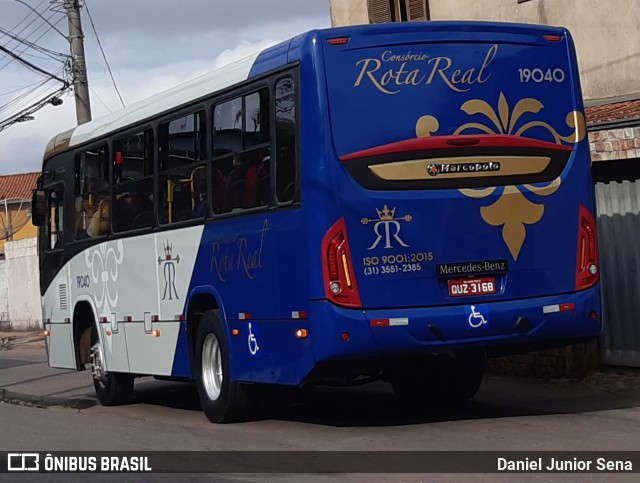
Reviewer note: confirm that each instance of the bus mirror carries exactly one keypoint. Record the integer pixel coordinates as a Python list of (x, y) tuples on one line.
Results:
[(39, 207)]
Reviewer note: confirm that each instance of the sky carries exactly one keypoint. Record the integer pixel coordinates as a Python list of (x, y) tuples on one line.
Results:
[(150, 45)]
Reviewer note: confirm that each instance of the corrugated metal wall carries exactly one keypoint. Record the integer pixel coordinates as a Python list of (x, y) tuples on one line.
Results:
[(619, 234)]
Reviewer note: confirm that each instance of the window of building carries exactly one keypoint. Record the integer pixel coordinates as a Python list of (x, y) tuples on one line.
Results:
[(133, 181), (182, 188), (382, 11), (241, 150)]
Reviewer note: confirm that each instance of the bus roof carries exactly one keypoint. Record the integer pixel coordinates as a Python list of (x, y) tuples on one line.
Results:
[(253, 65)]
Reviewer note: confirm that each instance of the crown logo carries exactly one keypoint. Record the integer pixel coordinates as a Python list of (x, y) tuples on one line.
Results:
[(386, 214), (168, 253)]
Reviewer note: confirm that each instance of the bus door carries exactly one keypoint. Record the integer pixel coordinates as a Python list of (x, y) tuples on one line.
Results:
[(49, 215)]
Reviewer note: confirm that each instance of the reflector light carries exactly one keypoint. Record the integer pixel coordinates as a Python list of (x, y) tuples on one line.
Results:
[(298, 314), (302, 333), (345, 336), (108, 332), (389, 322), (345, 267), (463, 142), (549, 309), (155, 318), (244, 316), (340, 282), (235, 332), (67, 320), (587, 272), (553, 38), (593, 315), (103, 320), (338, 41), (128, 318)]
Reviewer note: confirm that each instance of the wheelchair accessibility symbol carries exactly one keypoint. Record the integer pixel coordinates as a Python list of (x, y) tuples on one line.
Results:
[(477, 315), (253, 342)]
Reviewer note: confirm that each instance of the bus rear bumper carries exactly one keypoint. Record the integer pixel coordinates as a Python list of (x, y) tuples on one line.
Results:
[(339, 333)]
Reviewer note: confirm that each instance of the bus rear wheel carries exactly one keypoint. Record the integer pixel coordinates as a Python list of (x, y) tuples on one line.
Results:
[(112, 388), (222, 400), (441, 379)]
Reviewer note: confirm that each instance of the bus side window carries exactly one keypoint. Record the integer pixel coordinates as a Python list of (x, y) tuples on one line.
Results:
[(182, 181), (242, 153), (285, 145), (133, 182), (91, 192), (55, 233)]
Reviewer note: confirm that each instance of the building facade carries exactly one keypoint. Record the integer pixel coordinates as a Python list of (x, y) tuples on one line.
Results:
[(15, 208), (19, 276), (605, 31)]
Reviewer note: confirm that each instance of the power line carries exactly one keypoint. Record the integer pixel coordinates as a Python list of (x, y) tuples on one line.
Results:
[(25, 41), (48, 52), (39, 15), (32, 66), (86, 6), (24, 115)]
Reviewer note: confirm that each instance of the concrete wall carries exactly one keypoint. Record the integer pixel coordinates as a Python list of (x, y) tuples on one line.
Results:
[(606, 33), (4, 295), (349, 12), (22, 278)]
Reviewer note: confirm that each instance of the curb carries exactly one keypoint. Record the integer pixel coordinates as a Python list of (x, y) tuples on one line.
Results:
[(20, 399)]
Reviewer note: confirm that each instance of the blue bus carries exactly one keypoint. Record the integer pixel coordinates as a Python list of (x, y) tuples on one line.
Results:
[(387, 202)]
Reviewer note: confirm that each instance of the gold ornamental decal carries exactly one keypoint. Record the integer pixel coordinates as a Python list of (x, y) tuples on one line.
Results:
[(512, 210)]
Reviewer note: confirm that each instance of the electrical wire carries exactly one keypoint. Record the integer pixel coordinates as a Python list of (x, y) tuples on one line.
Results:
[(48, 52), (24, 49), (31, 66), (21, 44), (86, 6)]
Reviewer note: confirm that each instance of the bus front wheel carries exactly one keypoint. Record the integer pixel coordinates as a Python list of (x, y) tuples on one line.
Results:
[(222, 400), (112, 388)]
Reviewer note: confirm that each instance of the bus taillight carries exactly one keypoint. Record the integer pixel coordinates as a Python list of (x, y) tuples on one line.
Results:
[(339, 279), (587, 269)]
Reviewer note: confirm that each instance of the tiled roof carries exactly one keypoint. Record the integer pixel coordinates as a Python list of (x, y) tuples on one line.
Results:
[(17, 186), (616, 111)]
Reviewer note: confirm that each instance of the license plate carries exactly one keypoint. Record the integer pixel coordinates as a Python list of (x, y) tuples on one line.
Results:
[(465, 287)]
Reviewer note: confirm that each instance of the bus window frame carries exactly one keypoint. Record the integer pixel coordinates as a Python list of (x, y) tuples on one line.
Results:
[(292, 73), (151, 164), (252, 87), (59, 186), (204, 161), (77, 154)]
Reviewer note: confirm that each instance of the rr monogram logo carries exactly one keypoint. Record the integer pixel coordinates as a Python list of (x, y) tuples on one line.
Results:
[(169, 272), (388, 225)]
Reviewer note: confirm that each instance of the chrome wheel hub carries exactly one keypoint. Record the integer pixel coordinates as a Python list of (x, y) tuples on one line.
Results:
[(97, 363), (212, 367)]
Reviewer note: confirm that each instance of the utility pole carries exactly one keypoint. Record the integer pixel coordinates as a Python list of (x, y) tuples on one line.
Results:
[(79, 66)]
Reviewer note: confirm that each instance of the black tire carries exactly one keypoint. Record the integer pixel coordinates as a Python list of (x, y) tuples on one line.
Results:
[(112, 388), (222, 400), (441, 379)]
